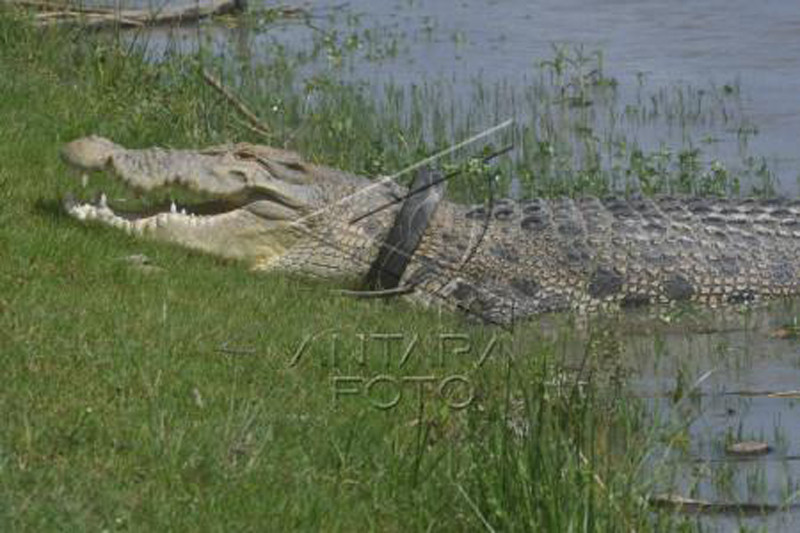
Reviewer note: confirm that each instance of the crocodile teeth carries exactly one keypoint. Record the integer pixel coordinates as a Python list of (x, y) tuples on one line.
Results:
[(100, 211)]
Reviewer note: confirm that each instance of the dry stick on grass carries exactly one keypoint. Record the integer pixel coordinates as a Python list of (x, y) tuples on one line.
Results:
[(90, 19), (61, 7), (251, 117)]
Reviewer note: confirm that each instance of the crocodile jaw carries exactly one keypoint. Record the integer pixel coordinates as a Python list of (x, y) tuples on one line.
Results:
[(237, 234)]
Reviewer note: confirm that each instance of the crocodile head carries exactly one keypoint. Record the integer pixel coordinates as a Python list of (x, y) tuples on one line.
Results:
[(263, 205)]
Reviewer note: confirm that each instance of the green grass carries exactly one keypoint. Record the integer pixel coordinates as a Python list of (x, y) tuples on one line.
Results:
[(169, 401)]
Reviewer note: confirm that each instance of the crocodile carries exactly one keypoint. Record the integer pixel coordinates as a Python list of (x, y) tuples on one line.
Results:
[(498, 261)]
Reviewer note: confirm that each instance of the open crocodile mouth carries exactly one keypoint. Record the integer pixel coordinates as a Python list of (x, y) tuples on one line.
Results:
[(137, 216)]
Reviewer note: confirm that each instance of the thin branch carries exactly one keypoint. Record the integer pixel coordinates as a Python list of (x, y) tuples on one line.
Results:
[(251, 117), (100, 17)]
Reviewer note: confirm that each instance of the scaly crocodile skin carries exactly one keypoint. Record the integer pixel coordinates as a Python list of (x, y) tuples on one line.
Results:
[(589, 254)]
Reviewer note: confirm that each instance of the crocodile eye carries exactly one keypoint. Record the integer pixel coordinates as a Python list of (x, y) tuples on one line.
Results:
[(240, 174)]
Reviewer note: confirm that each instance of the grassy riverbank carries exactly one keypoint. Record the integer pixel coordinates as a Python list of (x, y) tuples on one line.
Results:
[(182, 399)]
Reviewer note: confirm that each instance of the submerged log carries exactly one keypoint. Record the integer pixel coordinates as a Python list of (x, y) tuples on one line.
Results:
[(51, 13)]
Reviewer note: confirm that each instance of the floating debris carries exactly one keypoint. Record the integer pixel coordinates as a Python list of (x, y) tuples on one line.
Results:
[(785, 332), (676, 502), (748, 448)]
